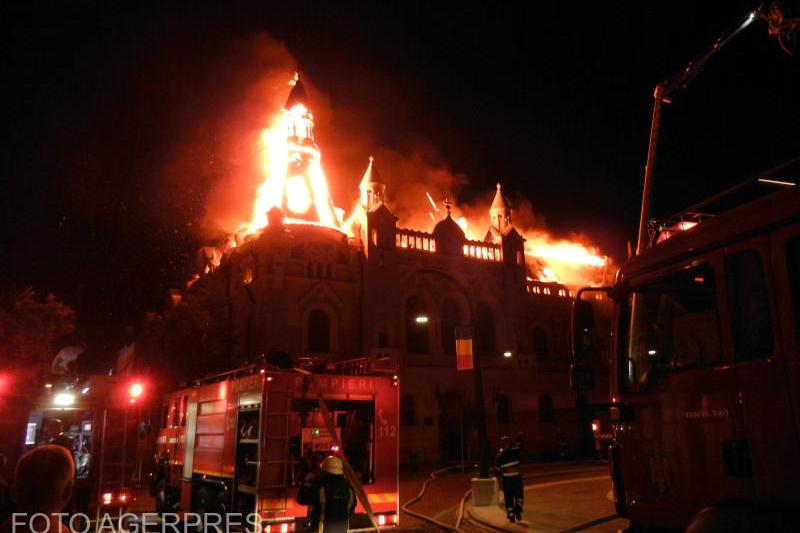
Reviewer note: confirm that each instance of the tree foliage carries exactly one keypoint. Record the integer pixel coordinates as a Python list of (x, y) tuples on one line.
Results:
[(33, 327)]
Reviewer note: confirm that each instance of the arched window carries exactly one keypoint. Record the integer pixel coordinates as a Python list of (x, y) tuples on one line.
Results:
[(484, 331), (540, 344), (319, 331), (451, 319), (417, 324)]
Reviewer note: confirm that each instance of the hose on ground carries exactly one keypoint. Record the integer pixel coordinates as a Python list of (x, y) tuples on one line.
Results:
[(418, 497)]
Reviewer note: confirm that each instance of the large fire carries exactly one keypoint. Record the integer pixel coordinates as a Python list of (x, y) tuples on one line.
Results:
[(295, 182), (572, 262)]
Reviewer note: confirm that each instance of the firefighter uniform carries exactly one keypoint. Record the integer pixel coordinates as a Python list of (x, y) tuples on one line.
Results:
[(513, 490), (330, 498)]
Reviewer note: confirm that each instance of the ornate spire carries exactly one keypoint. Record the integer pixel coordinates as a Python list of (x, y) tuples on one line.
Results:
[(371, 187), (297, 94), (500, 211), (500, 201)]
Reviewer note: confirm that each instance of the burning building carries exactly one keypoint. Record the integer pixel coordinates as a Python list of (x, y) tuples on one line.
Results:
[(301, 280)]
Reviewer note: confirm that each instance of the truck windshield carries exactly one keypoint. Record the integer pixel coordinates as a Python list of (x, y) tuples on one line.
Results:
[(672, 324)]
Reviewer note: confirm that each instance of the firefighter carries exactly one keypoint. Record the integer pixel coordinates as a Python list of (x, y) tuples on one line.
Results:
[(508, 468), (54, 434), (330, 497)]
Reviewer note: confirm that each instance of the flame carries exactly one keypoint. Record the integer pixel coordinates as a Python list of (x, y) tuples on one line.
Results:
[(548, 275), (295, 182), (294, 179), (565, 261), (570, 262), (567, 252)]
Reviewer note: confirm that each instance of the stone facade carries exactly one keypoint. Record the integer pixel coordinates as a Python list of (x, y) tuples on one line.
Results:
[(314, 292), (304, 288)]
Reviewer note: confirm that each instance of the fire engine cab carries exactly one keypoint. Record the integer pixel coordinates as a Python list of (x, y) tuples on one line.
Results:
[(705, 385), (245, 440), (100, 420)]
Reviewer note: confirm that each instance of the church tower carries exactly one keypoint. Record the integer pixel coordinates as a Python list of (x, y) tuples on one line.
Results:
[(371, 187), (304, 195), (500, 212)]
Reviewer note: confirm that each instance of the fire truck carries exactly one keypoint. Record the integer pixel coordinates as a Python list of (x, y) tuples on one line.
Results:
[(705, 363), (244, 441), (101, 420), (705, 384)]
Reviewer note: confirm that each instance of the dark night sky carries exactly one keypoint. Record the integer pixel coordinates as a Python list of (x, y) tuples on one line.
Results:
[(554, 98)]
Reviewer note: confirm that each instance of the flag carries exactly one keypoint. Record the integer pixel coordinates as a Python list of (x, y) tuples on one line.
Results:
[(65, 359), (125, 357), (463, 348)]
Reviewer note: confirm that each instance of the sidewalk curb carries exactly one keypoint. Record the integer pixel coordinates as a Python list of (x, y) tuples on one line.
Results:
[(511, 529)]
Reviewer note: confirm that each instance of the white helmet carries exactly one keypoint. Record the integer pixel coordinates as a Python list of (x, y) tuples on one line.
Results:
[(332, 465)]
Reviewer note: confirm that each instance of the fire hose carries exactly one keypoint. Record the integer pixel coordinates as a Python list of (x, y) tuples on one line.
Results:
[(431, 519)]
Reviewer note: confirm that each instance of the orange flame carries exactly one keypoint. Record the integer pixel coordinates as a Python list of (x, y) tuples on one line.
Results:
[(569, 262), (295, 181), (550, 259)]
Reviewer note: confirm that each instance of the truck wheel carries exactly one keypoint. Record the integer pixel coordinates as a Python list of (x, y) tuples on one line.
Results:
[(220, 503), (200, 504)]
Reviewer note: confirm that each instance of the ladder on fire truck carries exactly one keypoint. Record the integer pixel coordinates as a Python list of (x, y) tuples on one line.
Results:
[(274, 449), (117, 451), (780, 177)]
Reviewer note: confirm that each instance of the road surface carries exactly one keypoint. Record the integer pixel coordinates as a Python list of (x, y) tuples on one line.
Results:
[(558, 497)]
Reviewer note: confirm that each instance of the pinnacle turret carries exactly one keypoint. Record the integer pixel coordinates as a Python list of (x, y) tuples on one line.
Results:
[(372, 187), (500, 211)]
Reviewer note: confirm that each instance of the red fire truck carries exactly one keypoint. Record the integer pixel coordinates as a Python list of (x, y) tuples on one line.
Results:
[(705, 386), (243, 441), (100, 420)]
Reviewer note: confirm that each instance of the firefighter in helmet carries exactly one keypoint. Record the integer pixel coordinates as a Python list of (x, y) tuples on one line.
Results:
[(508, 469), (330, 497)]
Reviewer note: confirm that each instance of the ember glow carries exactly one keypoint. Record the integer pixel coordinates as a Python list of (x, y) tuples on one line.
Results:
[(569, 262), (294, 180), (572, 262), (566, 252)]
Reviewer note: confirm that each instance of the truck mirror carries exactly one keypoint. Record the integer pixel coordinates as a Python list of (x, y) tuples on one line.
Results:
[(582, 326), (581, 377)]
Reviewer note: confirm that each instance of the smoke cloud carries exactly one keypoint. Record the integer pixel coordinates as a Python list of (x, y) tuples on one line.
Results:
[(418, 177)]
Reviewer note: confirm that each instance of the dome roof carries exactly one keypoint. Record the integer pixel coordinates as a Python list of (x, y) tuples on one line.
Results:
[(449, 236)]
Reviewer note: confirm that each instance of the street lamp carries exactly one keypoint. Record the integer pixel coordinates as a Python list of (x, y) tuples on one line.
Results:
[(477, 371)]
